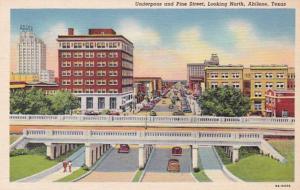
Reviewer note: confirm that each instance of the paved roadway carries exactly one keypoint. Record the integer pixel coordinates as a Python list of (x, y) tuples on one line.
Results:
[(211, 165), (116, 167), (156, 169)]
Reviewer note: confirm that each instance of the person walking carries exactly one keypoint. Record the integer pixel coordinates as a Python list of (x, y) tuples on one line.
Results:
[(65, 165), (70, 166)]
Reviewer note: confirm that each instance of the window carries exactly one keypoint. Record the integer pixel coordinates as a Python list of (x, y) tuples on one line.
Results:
[(101, 73), (257, 94), (100, 44), (89, 73), (269, 75), (66, 82), (101, 103), (89, 90), (113, 91), (77, 90), (224, 75), (280, 85), (113, 55), (101, 82), (257, 75), (78, 82), (101, 64), (269, 85), (235, 75), (66, 64), (113, 73), (101, 55), (89, 103), (112, 103), (78, 55), (214, 85), (78, 64), (66, 54), (257, 106), (89, 82), (257, 85), (280, 75), (89, 55), (102, 90), (113, 64), (66, 73), (214, 75), (285, 113), (113, 82), (77, 73), (236, 85), (89, 64)]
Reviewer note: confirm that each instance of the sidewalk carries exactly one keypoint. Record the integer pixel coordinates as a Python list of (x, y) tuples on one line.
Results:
[(211, 165)]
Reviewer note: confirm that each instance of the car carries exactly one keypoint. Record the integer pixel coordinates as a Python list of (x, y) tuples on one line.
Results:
[(176, 151), (171, 106), (124, 148), (178, 113), (153, 113), (114, 113), (91, 113), (163, 102), (173, 165)]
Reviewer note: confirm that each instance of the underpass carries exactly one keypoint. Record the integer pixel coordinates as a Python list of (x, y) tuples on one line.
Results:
[(156, 169), (115, 167)]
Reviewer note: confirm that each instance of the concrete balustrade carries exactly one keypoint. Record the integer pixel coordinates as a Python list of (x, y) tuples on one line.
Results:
[(140, 120)]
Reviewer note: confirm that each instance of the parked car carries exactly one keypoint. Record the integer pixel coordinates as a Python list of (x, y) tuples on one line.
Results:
[(171, 106), (173, 165), (91, 113), (153, 113), (124, 148), (163, 102), (114, 113), (178, 113), (176, 151)]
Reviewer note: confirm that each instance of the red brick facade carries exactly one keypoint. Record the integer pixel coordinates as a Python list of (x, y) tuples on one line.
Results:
[(280, 103), (101, 62)]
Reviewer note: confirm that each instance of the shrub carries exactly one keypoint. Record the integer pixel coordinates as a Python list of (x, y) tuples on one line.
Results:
[(84, 167), (196, 170), (18, 152)]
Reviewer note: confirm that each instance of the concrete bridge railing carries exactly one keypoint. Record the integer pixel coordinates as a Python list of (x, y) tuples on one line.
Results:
[(156, 119)]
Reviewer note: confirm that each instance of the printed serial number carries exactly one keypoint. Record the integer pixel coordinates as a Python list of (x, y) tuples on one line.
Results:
[(283, 185)]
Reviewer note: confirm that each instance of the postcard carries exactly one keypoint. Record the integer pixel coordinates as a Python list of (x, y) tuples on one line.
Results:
[(149, 94)]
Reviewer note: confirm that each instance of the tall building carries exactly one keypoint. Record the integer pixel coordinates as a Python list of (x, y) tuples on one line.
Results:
[(32, 52), (98, 68), (264, 77), (196, 74), (224, 75)]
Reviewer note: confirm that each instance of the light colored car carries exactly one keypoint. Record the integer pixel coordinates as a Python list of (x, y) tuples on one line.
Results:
[(173, 165)]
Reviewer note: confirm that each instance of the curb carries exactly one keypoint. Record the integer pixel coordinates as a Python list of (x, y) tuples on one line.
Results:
[(144, 171), (94, 166), (225, 170)]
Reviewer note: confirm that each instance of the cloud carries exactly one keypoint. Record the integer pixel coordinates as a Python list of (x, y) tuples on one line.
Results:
[(139, 34), (49, 37)]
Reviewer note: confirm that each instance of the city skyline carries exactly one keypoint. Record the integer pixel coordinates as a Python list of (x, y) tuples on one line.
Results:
[(166, 40)]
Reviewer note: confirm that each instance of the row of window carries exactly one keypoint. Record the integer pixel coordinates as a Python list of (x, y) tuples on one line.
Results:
[(215, 85), (101, 103), (89, 82), (269, 85), (100, 73), (77, 45), (225, 75), (89, 64), (269, 75), (89, 54), (90, 90)]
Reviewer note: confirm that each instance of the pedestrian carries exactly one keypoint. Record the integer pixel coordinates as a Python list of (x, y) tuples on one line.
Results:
[(65, 165), (70, 166)]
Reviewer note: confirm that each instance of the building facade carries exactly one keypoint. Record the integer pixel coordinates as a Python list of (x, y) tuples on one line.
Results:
[(149, 86), (264, 77), (47, 76), (291, 78), (280, 103), (98, 68), (32, 52), (17, 77), (224, 75)]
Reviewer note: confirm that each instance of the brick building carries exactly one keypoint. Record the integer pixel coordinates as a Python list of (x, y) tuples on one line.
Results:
[(280, 103), (97, 68)]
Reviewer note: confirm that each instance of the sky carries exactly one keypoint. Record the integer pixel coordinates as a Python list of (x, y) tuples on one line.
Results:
[(166, 40)]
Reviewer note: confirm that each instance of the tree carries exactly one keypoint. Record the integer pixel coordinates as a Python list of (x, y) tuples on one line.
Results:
[(225, 101), (32, 101), (62, 102)]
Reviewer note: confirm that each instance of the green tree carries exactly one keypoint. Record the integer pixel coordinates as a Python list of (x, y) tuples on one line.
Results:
[(225, 101), (32, 101), (62, 102)]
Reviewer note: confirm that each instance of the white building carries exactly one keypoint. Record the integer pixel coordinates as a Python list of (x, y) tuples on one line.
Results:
[(47, 76), (32, 52)]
